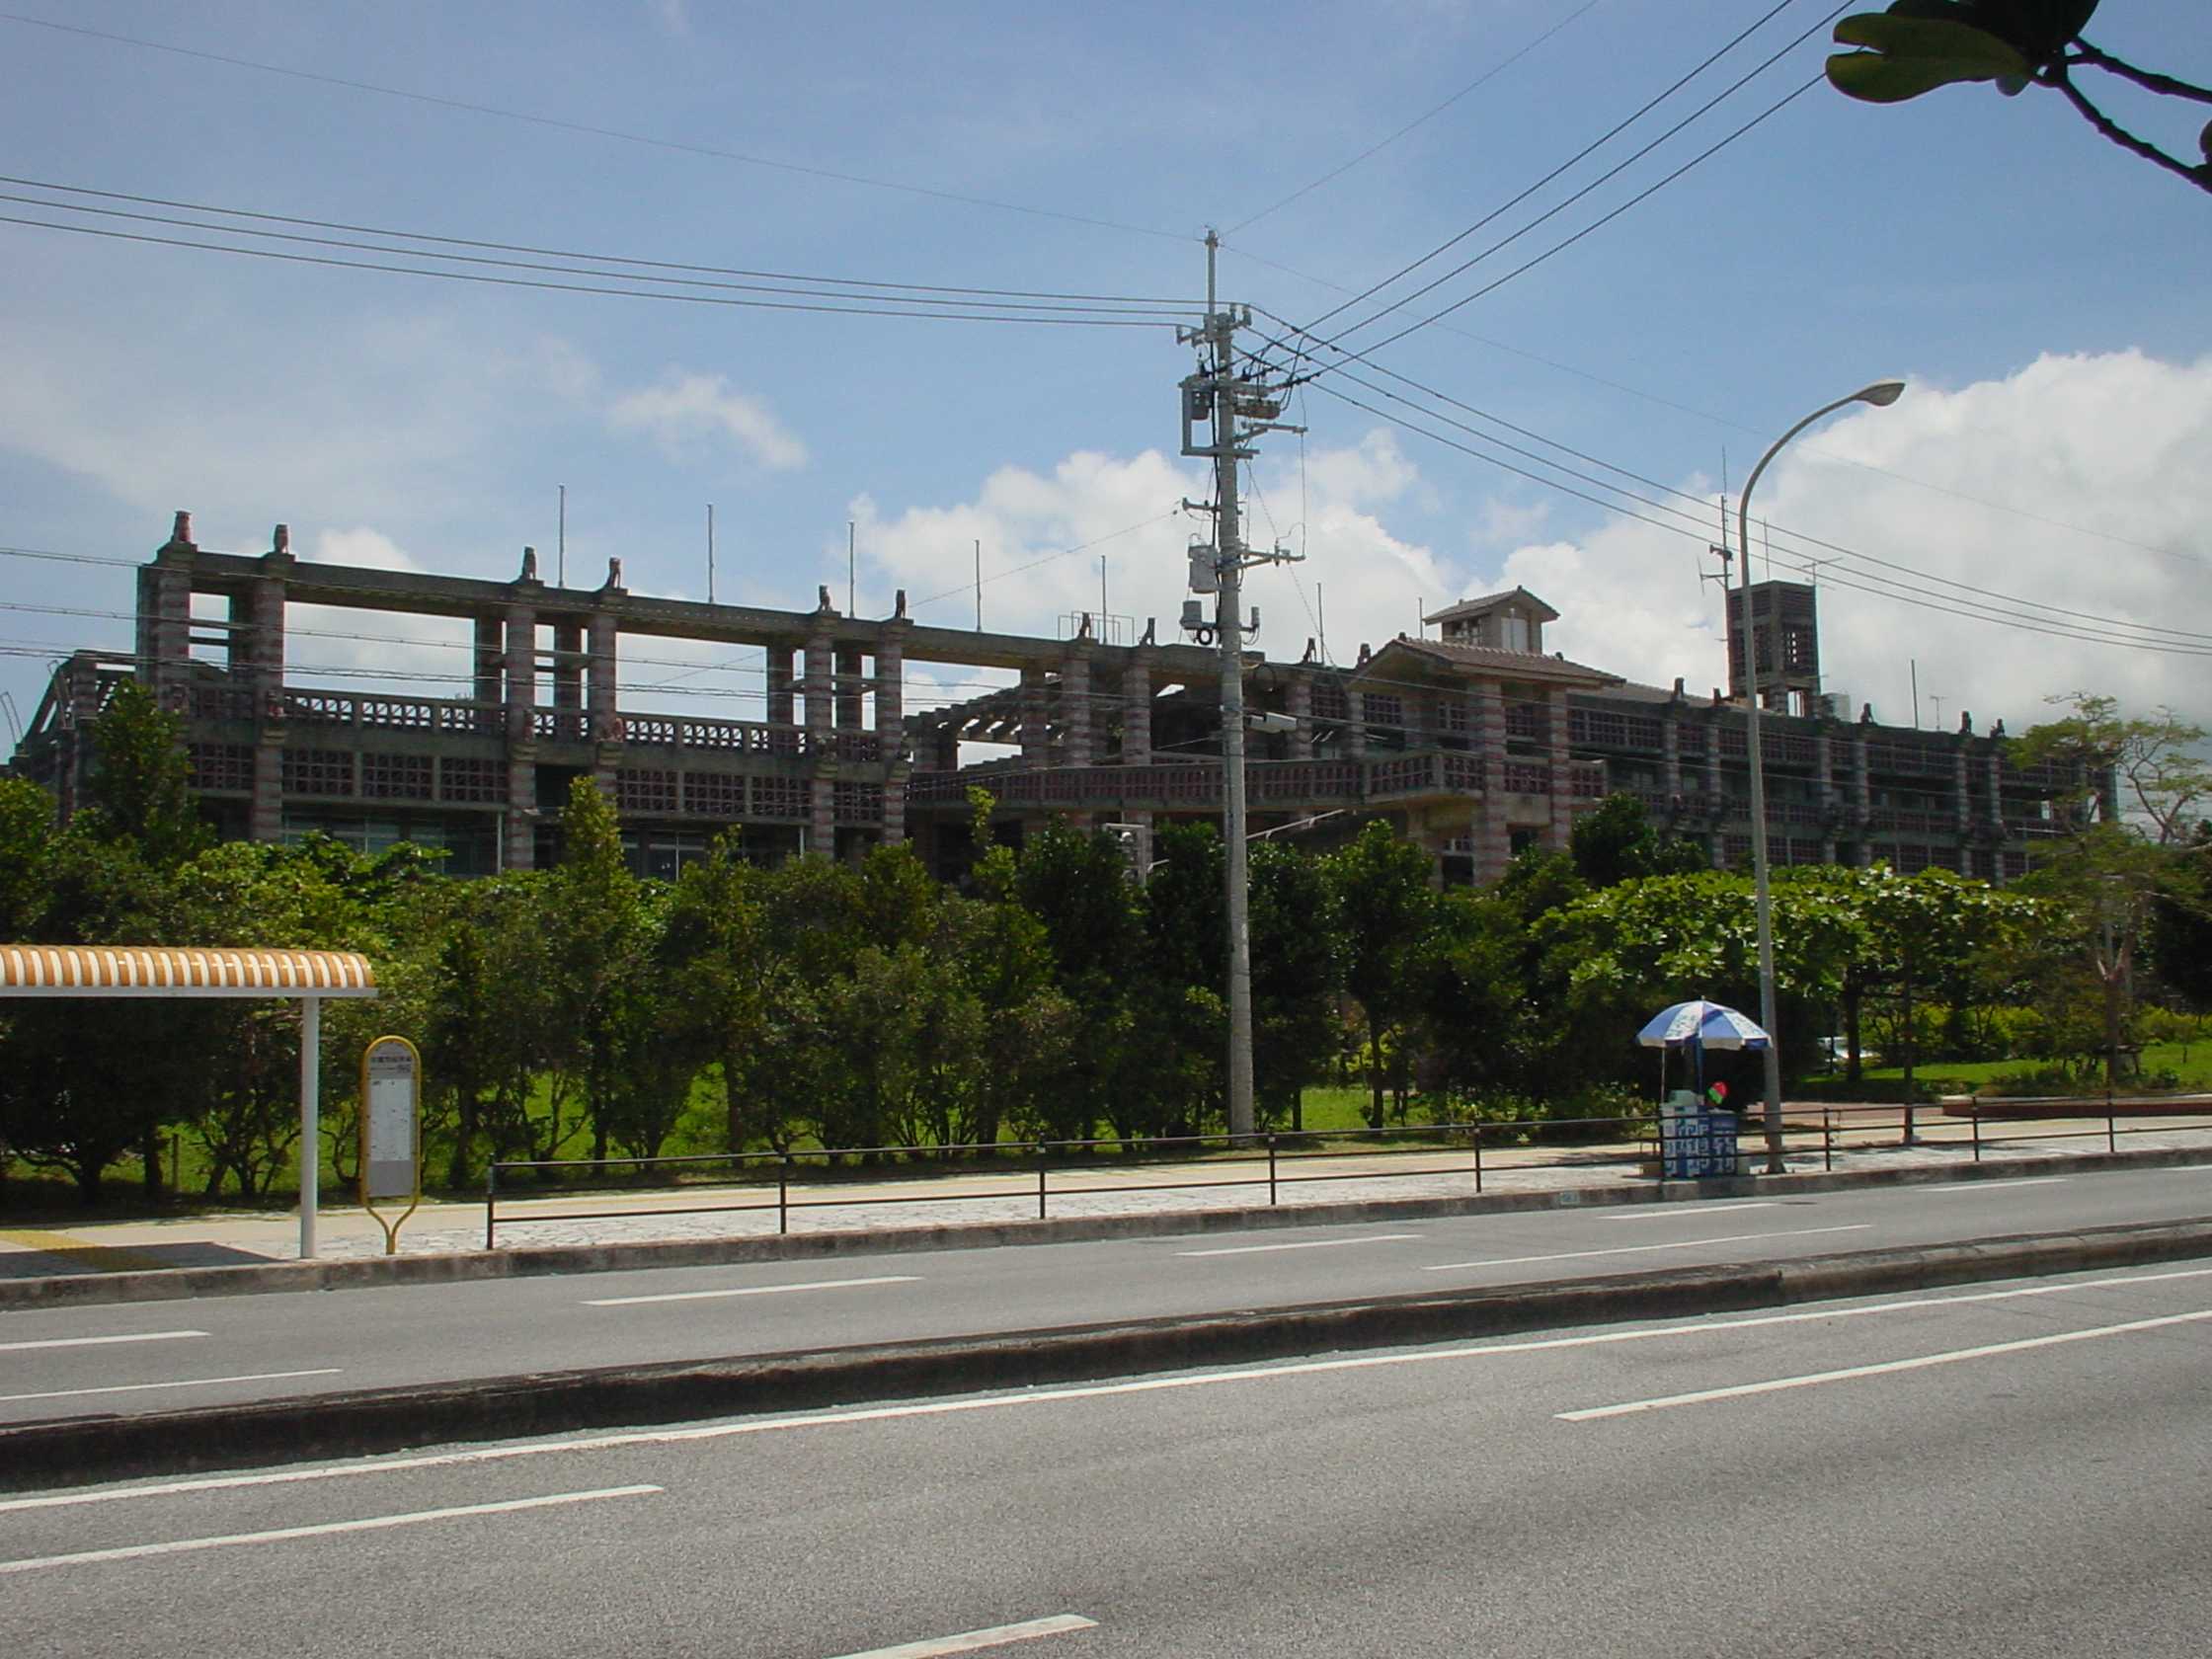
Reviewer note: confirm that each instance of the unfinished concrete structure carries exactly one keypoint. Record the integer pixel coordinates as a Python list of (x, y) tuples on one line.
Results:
[(1475, 744)]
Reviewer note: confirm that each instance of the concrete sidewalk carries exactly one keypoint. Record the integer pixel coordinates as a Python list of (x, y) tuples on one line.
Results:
[(577, 1231)]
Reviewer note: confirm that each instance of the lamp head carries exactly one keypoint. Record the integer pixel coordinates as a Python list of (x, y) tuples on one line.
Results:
[(1881, 394)]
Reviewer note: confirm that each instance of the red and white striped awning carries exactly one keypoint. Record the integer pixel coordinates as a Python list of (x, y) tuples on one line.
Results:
[(180, 971)]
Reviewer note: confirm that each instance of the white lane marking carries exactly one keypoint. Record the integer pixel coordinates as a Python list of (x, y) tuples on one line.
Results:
[(1641, 1249), (1306, 1244), (95, 1341), (1812, 1379), (968, 1641), (375, 1524), (756, 1289), (1669, 1212), (1987, 1186), (1040, 1396), (184, 1383)]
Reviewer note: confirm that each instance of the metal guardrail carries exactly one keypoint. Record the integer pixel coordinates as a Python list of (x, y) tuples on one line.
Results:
[(809, 1179), (1270, 1160)]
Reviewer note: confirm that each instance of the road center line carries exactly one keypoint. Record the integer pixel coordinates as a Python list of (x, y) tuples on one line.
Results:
[(1988, 1186), (375, 1524), (1812, 1379), (757, 1290), (1669, 1212), (1042, 1397), (1306, 1244), (1641, 1249), (184, 1383), (96, 1341), (999, 1636)]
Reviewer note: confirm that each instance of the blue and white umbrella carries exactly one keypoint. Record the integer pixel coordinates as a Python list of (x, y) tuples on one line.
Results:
[(1711, 1025)]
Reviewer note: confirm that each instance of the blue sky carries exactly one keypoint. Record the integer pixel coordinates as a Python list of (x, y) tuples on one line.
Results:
[(2042, 292)]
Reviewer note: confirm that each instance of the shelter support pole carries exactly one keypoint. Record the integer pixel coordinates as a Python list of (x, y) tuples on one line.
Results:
[(310, 1114)]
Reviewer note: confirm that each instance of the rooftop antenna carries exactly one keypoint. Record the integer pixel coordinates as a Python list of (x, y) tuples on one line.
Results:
[(849, 568), (1322, 621), (561, 543), (710, 552)]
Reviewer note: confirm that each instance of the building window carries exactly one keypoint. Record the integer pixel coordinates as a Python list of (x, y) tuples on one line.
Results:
[(318, 771), (222, 765), (783, 797), (859, 803), (460, 780), (396, 777), (714, 795), (644, 790)]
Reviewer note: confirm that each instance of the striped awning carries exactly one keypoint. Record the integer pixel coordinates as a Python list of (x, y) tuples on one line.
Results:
[(180, 971)]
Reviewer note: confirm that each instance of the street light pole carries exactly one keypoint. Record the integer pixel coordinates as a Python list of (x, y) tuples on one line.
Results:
[(1881, 394)]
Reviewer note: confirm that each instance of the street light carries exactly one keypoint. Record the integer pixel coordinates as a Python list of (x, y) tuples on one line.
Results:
[(1881, 394)]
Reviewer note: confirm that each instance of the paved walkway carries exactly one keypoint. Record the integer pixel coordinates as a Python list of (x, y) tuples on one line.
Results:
[(974, 1198)]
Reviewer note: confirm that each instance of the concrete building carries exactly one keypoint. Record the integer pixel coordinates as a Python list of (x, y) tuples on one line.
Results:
[(1476, 742)]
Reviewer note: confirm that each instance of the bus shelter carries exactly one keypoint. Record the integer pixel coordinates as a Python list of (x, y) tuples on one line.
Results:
[(45, 971)]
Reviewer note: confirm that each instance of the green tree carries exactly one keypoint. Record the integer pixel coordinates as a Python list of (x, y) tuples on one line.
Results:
[(140, 788), (1918, 46), (605, 932), (1617, 842), (1388, 911), (1298, 973)]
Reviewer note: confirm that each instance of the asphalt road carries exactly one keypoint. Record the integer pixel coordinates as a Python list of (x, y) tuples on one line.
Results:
[(159, 1356), (2013, 1468)]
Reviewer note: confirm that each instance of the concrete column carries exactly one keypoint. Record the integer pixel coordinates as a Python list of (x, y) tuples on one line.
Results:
[(520, 687), (779, 704), (1300, 709), (1136, 710), (521, 673), (1861, 796), (1036, 722), (821, 817), (1074, 708), (1561, 755), (568, 674), (891, 694), (818, 694), (603, 703), (1670, 748), (488, 668), (267, 675), (1824, 760), (1962, 800), (851, 689), (891, 728), (170, 638), (1993, 764), (268, 812), (1486, 825), (1355, 721)]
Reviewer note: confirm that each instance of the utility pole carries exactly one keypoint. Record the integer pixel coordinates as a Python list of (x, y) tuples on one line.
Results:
[(1216, 394)]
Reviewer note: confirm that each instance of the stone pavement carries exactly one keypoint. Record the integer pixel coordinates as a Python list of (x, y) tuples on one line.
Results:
[(978, 1199)]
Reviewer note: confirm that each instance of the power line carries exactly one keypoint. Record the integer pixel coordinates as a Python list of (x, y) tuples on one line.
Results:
[(1103, 321), (1809, 446), (1705, 504), (1926, 600), (1426, 117), (635, 264), (564, 126), (1604, 138), (1565, 243)]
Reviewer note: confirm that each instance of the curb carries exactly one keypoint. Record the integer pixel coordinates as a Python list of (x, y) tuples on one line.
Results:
[(170, 1284), (367, 1422)]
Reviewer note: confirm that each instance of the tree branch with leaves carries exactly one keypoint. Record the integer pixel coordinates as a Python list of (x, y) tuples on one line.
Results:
[(1918, 46)]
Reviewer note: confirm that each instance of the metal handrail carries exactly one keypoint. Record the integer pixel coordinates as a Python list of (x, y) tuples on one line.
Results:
[(1272, 1158)]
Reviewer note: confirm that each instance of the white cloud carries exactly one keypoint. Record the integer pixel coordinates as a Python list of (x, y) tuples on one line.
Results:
[(2077, 484), (684, 409)]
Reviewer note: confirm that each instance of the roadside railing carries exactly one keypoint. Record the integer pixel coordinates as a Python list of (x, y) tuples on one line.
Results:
[(1041, 1172)]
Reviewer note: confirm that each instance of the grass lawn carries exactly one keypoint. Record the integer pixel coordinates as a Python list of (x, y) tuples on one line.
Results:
[(2190, 1061)]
